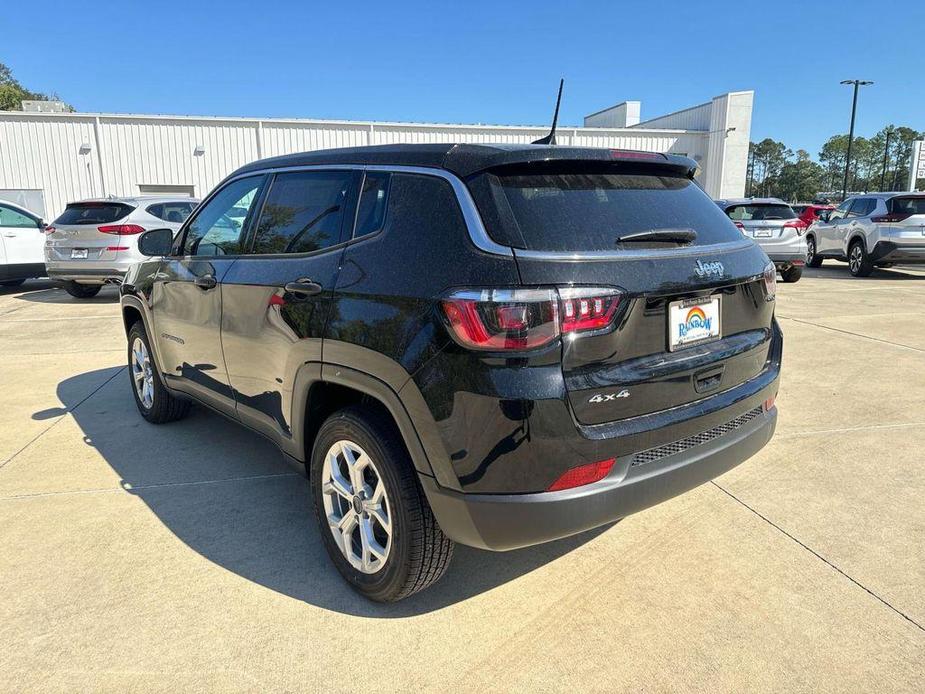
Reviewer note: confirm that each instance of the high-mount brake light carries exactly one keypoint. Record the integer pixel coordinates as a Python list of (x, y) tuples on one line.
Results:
[(891, 217), (631, 154), (121, 229), (522, 319)]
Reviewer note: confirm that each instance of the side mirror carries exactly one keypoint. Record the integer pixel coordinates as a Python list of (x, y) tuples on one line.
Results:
[(40, 223), (156, 242)]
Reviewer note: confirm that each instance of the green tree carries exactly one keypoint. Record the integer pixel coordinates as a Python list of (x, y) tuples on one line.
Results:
[(768, 158), (12, 93), (799, 180)]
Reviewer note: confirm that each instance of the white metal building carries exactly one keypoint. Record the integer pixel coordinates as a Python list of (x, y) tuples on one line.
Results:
[(49, 159)]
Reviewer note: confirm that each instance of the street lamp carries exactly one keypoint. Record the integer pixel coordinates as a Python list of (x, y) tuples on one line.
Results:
[(854, 106)]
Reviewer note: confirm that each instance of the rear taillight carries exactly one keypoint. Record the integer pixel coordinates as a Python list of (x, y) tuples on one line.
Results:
[(741, 226), (797, 224), (121, 229), (770, 281), (49, 229), (581, 475), (522, 319), (890, 218)]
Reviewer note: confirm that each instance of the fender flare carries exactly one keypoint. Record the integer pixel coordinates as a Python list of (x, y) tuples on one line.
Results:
[(132, 301)]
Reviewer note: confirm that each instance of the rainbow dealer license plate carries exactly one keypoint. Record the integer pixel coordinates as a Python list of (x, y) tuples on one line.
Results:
[(693, 321)]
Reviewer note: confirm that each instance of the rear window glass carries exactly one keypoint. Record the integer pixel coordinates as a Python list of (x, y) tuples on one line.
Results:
[(93, 213), (759, 212), (584, 212), (910, 205)]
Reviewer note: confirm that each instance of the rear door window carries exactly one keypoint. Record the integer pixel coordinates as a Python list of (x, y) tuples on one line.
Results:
[(587, 212), (93, 213), (861, 207), (15, 219), (372, 204), (304, 212)]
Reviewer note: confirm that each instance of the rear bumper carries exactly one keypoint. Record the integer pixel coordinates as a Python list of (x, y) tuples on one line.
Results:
[(88, 275), (785, 259), (892, 252), (508, 521)]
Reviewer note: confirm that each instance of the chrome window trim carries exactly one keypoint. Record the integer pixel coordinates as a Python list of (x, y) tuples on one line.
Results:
[(477, 233)]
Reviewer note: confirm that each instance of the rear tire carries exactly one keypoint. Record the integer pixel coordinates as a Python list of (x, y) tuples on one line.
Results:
[(12, 283), (82, 291), (812, 260), (859, 263), (792, 274), (391, 560), (155, 403)]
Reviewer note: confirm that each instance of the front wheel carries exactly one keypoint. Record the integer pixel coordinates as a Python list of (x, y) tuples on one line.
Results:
[(859, 263), (812, 260), (375, 522), (82, 291), (792, 273), (155, 403)]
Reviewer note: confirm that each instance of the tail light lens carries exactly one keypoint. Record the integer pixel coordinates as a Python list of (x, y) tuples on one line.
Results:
[(740, 226), (49, 229), (797, 224), (890, 218), (121, 229), (770, 281), (522, 319), (581, 475)]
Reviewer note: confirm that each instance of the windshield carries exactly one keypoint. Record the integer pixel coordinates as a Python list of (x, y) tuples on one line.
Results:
[(583, 212), (760, 212)]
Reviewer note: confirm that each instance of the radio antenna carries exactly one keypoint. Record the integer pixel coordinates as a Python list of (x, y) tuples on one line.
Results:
[(550, 139)]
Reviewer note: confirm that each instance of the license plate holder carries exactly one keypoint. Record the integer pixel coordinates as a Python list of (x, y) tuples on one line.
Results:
[(79, 253), (694, 321), (762, 233)]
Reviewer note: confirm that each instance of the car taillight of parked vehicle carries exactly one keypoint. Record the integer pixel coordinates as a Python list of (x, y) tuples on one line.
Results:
[(740, 226), (797, 224), (522, 319), (770, 282), (121, 229), (49, 229), (891, 217)]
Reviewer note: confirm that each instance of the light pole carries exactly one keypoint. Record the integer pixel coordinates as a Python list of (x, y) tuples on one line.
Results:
[(854, 107), (886, 149)]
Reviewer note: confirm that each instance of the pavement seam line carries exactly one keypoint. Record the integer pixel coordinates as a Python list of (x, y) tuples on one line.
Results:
[(848, 332), (819, 556), (55, 423), (144, 487)]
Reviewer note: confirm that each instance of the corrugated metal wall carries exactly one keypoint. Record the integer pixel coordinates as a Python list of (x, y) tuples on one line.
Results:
[(75, 156)]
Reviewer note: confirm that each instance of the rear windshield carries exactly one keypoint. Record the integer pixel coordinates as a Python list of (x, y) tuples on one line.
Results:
[(910, 205), (93, 213), (759, 212), (579, 212)]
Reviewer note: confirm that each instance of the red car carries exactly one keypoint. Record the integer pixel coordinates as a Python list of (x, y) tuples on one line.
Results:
[(810, 213)]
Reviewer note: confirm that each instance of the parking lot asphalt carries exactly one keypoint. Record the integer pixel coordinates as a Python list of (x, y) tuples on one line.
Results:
[(185, 558)]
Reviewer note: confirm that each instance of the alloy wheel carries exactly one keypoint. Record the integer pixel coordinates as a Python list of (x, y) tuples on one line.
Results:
[(854, 260), (810, 251), (142, 373), (356, 506)]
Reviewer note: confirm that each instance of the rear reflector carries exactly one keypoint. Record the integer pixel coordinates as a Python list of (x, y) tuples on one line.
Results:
[(581, 475), (121, 229), (116, 248), (769, 403)]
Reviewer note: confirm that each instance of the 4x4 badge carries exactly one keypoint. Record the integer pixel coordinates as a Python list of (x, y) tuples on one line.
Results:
[(600, 397), (706, 269)]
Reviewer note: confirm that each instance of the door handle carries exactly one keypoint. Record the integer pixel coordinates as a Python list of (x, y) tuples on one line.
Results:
[(304, 286), (205, 282)]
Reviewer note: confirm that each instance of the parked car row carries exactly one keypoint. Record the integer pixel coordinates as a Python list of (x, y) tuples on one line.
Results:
[(91, 243)]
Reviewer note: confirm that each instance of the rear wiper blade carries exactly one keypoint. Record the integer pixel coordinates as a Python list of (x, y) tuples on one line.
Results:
[(678, 236)]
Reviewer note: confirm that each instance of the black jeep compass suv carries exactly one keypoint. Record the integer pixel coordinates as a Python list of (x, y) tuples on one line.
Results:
[(497, 345)]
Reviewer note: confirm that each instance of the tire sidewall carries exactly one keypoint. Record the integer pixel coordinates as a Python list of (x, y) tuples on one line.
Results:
[(859, 246), (137, 331), (390, 578)]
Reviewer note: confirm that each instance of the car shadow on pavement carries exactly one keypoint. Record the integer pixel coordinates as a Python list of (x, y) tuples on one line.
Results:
[(53, 294), (839, 271), (227, 494)]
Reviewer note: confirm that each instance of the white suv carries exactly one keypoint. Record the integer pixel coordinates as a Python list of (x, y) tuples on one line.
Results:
[(21, 241), (95, 241), (870, 230)]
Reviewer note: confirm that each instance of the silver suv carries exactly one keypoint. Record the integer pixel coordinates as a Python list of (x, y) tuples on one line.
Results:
[(870, 230), (774, 226), (95, 241)]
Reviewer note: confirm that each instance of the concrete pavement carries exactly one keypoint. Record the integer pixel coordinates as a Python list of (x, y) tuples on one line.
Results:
[(136, 558)]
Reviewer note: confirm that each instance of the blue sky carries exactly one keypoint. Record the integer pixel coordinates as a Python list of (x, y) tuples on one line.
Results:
[(477, 62)]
